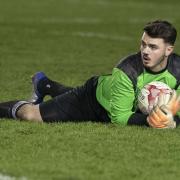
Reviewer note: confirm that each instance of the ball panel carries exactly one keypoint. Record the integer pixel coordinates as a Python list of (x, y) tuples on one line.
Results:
[(150, 93)]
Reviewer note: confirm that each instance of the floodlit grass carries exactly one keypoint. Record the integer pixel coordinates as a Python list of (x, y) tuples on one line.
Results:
[(72, 40), (88, 151)]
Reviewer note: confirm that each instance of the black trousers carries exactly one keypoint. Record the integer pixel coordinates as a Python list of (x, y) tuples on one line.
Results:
[(77, 105)]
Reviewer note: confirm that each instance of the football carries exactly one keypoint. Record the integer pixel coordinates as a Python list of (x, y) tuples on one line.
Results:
[(149, 95)]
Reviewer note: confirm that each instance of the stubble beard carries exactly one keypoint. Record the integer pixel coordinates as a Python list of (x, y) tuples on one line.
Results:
[(160, 65)]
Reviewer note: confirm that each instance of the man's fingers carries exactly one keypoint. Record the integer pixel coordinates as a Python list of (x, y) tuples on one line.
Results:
[(155, 119), (174, 103), (153, 123), (161, 117), (161, 113)]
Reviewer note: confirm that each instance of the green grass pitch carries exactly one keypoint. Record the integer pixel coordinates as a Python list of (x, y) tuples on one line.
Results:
[(72, 40)]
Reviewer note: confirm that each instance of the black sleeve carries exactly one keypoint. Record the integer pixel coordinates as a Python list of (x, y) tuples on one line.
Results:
[(138, 119), (177, 120)]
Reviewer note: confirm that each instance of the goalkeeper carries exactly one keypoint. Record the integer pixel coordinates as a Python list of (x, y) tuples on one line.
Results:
[(111, 98)]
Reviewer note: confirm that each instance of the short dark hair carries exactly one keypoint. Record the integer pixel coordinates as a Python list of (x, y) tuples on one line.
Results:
[(161, 29)]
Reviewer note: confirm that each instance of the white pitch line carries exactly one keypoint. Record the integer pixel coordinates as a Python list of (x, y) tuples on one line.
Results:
[(107, 3), (102, 36), (80, 20), (6, 177), (114, 4), (53, 20)]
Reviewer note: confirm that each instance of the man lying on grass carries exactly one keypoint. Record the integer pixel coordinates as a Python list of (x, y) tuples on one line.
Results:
[(111, 98)]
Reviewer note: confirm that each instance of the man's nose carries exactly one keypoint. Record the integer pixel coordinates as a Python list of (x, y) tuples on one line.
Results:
[(146, 50)]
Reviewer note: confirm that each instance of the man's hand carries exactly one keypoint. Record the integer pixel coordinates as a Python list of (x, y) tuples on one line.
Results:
[(174, 103), (161, 118)]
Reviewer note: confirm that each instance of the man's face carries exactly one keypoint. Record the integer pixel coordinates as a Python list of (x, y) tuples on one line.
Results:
[(154, 52)]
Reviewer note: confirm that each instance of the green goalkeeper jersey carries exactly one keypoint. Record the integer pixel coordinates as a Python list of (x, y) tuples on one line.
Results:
[(118, 92)]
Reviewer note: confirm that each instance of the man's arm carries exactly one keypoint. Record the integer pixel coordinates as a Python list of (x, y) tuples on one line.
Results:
[(138, 119), (122, 101), (122, 97), (162, 116)]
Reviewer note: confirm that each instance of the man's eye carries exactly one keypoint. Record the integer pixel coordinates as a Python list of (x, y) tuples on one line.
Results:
[(143, 45), (153, 47)]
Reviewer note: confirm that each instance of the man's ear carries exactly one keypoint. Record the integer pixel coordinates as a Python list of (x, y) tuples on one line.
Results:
[(169, 50)]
